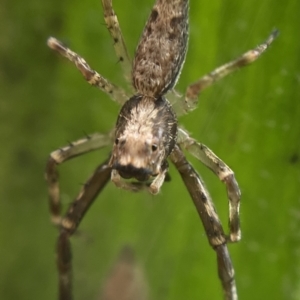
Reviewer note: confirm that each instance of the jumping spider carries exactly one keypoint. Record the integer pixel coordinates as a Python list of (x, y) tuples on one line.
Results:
[(147, 133)]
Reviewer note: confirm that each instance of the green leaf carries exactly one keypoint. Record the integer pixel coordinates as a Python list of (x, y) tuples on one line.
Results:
[(251, 120)]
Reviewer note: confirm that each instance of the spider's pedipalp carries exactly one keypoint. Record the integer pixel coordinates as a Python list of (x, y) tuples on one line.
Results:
[(158, 181), (225, 174), (153, 187), (121, 184)]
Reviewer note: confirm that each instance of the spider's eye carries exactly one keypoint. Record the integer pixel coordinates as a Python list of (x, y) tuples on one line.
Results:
[(120, 141), (154, 147)]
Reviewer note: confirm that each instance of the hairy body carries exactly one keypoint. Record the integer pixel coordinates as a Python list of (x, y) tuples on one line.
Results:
[(146, 130), (147, 134), (161, 51)]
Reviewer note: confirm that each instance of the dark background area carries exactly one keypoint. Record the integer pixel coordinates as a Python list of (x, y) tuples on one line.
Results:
[(251, 120)]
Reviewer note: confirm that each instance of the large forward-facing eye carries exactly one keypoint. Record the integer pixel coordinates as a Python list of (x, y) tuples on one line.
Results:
[(154, 147)]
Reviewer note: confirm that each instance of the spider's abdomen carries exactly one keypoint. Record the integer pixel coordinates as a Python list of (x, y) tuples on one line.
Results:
[(146, 133), (161, 51)]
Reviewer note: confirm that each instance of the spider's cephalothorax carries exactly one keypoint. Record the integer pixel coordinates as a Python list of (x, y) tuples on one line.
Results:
[(147, 134)]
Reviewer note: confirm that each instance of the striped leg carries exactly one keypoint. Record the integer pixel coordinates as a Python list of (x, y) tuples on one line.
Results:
[(80, 147), (90, 75), (225, 174), (71, 221), (114, 29), (210, 220), (188, 102)]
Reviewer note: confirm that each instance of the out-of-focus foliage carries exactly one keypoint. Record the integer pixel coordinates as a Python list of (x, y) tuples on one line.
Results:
[(251, 120)]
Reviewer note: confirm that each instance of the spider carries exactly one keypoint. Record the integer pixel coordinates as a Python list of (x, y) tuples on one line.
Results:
[(147, 134)]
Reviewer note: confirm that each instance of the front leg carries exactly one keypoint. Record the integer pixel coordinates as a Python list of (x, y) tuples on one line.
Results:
[(225, 174), (211, 222), (57, 157), (70, 223)]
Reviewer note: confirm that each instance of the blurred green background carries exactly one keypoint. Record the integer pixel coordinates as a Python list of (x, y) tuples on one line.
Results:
[(251, 120)]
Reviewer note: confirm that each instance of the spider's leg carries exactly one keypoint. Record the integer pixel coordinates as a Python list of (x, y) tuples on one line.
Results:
[(90, 75), (114, 28), (189, 101), (87, 144), (71, 221), (210, 220), (225, 174)]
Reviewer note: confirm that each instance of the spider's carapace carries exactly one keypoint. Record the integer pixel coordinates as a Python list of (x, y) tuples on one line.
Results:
[(145, 135)]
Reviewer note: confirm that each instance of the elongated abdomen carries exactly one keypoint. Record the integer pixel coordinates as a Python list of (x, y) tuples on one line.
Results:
[(161, 51)]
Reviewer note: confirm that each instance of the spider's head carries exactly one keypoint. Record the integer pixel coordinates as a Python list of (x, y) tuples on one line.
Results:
[(137, 156), (145, 135)]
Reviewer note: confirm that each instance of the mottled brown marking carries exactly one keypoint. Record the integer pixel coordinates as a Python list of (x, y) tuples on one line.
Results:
[(161, 51), (145, 135), (153, 16)]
